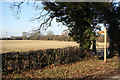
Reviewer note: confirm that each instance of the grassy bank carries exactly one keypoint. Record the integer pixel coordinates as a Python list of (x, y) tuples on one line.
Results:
[(93, 68)]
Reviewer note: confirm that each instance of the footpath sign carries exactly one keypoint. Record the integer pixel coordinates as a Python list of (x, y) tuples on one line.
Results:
[(101, 31), (105, 44)]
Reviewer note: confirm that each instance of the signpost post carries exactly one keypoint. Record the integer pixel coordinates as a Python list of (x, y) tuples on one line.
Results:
[(105, 44)]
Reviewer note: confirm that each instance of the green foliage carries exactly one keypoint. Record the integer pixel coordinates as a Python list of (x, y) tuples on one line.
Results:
[(78, 17), (82, 18), (110, 14)]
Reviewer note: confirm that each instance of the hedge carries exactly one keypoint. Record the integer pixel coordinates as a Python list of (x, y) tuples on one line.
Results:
[(32, 60)]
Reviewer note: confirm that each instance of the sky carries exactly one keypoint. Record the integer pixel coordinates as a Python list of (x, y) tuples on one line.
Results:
[(14, 27), (11, 26), (0, 25)]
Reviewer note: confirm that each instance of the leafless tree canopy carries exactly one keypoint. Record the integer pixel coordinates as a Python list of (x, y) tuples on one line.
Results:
[(43, 17)]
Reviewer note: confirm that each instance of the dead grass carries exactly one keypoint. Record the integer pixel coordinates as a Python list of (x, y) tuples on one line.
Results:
[(80, 69), (26, 45)]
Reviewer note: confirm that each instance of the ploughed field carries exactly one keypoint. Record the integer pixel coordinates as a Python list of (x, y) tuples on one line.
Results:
[(26, 45)]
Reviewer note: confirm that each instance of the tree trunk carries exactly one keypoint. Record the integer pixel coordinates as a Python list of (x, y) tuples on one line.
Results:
[(94, 47)]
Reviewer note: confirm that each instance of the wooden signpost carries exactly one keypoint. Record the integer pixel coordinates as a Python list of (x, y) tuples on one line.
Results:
[(105, 44)]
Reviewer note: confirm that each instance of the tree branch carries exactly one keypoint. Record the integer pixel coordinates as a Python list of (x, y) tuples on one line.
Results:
[(18, 5)]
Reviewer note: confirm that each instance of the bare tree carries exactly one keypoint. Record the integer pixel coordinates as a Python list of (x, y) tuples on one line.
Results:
[(24, 35), (65, 32), (50, 33)]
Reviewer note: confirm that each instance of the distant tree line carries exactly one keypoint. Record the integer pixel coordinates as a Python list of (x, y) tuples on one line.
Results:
[(46, 37), (37, 35), (49, 37), (12, 38)]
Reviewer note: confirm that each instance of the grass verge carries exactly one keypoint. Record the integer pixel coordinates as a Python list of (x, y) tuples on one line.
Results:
[(92, 68)]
